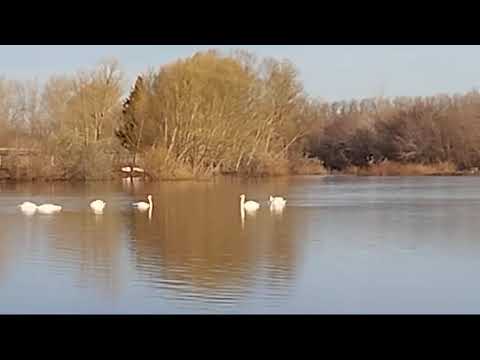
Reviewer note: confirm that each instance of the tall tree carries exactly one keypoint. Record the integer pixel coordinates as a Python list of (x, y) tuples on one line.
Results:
[(132, 119)]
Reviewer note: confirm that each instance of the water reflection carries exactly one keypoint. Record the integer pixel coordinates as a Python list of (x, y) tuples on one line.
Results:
[(195, 245), (192, 251), (244, 213), (88, 246), (276, 211)]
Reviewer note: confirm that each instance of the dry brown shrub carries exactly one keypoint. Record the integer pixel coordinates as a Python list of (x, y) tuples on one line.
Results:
[(393, 168)]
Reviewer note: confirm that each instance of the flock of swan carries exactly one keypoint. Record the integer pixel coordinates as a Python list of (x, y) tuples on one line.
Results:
[(276, 204), (97, 206)]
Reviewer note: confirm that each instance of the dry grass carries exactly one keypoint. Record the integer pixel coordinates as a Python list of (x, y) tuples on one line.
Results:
[(101, 166), (164, 167), (392, 168), (306, 166), (266, 164)]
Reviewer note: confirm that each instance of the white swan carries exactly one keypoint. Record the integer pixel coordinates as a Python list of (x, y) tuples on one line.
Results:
[(249, 205), (28, 207), (98, 205), (129, 169), (143, 205), (49, 208), (277, 201)]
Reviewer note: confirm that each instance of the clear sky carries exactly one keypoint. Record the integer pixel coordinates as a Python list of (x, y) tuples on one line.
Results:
[(329, 72)]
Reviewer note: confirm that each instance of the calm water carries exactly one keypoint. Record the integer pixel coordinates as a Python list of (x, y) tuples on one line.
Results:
[(342, 245)]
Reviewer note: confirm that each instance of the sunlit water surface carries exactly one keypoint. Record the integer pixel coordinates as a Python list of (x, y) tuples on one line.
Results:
[(342, 245)]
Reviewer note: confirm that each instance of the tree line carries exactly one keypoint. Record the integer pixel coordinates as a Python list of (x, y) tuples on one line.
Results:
[(223, 114), (422, 130)]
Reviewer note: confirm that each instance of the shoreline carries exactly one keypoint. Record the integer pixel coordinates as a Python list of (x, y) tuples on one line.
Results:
[(239, 178)]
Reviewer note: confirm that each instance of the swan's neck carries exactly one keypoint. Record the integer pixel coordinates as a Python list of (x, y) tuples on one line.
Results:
[(150, 202), (242, 201), (242, 216)]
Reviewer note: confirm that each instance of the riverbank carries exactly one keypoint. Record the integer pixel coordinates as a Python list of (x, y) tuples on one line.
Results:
[(393, 168), (310, 167)]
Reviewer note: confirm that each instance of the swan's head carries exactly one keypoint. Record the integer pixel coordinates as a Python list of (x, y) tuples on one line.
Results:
[(149, 197), (242, 196)]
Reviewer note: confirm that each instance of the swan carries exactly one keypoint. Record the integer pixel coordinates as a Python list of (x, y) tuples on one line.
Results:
[(249, 205), (277, 201), (98, 205), (48, 208), (28, 207), (143, 205), (129, 169)]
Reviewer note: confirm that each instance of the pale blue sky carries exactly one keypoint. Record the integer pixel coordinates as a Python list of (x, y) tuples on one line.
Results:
[(329, 72)]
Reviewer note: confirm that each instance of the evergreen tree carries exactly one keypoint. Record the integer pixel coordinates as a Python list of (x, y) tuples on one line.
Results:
[(131, 122)]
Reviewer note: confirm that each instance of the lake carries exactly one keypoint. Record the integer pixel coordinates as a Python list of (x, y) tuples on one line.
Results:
[(342, 245)]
